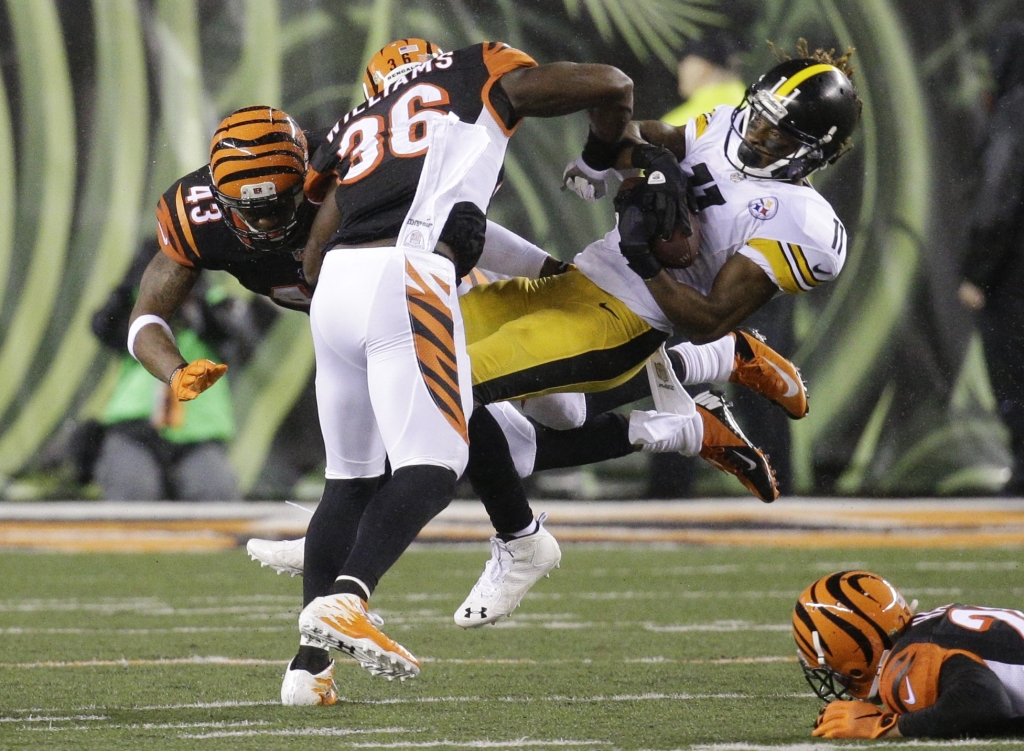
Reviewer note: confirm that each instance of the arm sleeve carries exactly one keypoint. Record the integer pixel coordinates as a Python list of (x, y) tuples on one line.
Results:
[(971, 700), (507, 253)]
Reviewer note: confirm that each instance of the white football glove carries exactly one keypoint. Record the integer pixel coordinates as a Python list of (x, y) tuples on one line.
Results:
[(586, 182)]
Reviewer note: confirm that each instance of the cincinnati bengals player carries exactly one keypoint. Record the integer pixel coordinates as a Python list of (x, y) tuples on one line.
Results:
[(406, 179), (243, 213), (953, 671)]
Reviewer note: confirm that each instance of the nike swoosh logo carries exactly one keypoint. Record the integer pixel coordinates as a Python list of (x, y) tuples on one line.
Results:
[(911, 699), (750, 464), (792, 387), (818, 270), (605, 306), (163, 234)]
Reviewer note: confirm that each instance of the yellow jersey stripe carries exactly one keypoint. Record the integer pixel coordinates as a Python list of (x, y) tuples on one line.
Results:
[(701, 125), (802, 266), (795, 80), (772, 250)]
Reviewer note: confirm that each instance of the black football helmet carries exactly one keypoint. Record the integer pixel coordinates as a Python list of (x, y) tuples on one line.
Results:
[(812, 102)]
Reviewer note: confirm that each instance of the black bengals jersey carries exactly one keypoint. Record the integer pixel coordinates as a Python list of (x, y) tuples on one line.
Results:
[(376, 152), (957, 669), (192, 230)]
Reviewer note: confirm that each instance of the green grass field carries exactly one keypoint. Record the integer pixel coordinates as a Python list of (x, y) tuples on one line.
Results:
[(624, 647)]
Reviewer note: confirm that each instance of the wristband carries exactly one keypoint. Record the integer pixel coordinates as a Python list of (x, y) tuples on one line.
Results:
[(137, 326), (601, 155), (170, 378)]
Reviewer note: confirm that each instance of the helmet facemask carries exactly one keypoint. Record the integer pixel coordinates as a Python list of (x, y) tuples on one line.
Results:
[(259, 207), (798, 163)]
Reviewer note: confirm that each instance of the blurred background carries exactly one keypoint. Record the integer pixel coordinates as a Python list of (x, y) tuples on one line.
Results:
[(104, 103)]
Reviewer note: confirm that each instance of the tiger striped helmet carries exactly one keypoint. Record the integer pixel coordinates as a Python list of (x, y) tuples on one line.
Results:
[(844, 624), (258, 159), (395, 59)]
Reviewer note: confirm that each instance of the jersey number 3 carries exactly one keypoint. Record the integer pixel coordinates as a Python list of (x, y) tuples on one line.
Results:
[(365, 141)]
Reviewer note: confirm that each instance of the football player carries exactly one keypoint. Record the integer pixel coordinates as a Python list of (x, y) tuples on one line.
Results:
[(886, 672), (764, 229)]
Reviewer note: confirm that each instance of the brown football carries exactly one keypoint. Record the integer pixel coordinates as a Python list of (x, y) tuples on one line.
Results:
[(679, 251)]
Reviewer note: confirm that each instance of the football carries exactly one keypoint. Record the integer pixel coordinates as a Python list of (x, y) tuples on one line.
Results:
[(679, 251)]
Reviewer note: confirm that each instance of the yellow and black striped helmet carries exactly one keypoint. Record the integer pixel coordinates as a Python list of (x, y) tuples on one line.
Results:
[(843, 624), (258, 159), (812, 102), (395, 59)]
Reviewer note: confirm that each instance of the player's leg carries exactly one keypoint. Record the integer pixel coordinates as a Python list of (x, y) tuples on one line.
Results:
[(745, 358), (419, 387)]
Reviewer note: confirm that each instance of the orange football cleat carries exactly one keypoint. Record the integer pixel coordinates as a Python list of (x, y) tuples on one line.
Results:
[(764, 371), (725, 447)]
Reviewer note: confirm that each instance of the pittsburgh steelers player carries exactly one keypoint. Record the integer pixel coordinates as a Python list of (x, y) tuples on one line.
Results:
[(887, 672)]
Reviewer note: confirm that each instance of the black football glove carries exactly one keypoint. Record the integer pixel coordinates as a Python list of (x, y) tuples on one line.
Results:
[(665, 200), (636, 229)]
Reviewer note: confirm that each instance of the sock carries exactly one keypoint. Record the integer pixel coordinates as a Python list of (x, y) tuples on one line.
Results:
[(492, 474), (662, 432), (412, 497), (311, 659), (349, 585), (332, 533), (529, 529), (704, 363), (602, 437)]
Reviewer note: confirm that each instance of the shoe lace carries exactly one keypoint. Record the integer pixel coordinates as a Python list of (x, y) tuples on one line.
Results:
[(498, 566)]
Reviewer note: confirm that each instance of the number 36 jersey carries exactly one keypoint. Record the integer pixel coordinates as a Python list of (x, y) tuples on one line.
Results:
[(377, 151), (790, 231)]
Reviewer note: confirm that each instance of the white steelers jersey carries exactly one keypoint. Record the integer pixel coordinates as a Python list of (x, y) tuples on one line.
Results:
[(788, 230)]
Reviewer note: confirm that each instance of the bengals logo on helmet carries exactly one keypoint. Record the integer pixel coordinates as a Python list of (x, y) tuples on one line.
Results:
[(843, 624), (395, 59), (258, 159)]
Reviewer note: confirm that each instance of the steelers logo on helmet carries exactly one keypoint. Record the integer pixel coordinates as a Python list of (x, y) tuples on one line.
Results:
[(258, 159), (797, 119), (844, 624), (394, 60)]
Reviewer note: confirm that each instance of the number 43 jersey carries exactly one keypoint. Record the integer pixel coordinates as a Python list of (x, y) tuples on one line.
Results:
[(192, 230), (377, 151)]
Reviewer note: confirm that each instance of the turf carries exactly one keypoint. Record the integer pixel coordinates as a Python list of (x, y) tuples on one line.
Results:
[(624, 647)]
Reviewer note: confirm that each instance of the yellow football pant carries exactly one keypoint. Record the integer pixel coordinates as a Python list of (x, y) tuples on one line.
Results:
[(528, 337)]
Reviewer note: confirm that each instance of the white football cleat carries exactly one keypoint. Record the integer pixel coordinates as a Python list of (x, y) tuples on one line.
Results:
[(515, 566), (284, 556), (344, 622), (301, 688)]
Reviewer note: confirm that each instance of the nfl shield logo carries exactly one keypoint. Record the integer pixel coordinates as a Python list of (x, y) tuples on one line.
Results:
[(763, 208)]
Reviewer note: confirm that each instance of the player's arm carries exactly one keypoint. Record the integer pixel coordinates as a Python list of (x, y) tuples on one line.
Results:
[(164, 287), (563, 88), (326, 222), (740, 289), (971, 699)]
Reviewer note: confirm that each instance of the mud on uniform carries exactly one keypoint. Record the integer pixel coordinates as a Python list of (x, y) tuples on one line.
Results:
[(418, 163), (958, 669), (193, 231)]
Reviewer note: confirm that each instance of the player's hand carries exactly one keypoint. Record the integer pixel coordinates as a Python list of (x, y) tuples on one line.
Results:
[(635, 232), (854, 719), (586, 182), (665, 200), (189, 381)]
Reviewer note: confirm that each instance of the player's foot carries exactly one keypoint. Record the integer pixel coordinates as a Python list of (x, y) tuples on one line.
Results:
[(764, 371), (344, 622), (284, 556), (726, 447), (302, 688), (515, 566)]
